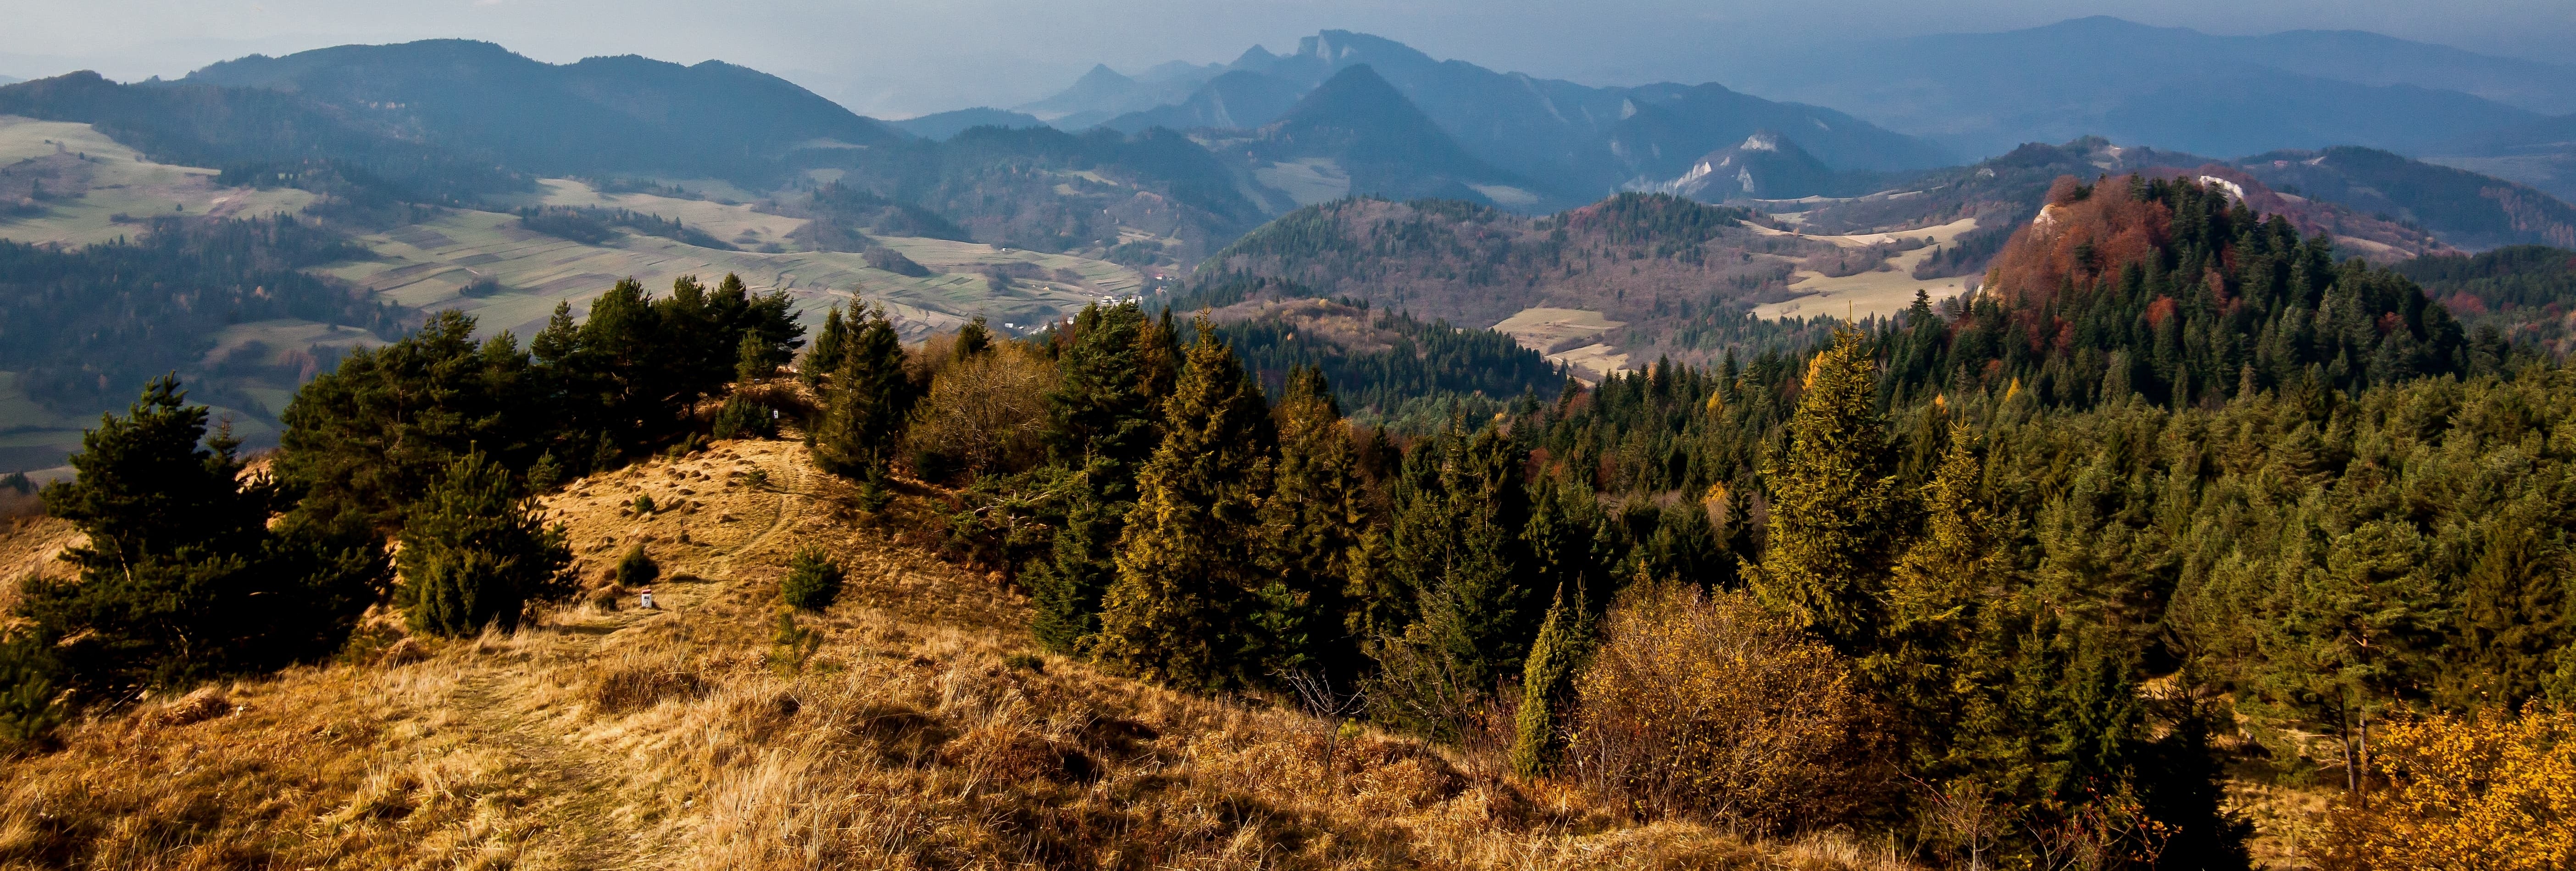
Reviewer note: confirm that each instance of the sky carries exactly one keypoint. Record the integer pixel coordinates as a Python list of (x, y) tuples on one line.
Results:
[(897, 58)]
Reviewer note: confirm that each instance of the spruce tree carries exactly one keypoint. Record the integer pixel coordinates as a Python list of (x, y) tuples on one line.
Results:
[(1103, 422), (813, 580), (1314, 527), (1834, 509), (1185, 577), (1931, 606), (867, 403), (824, 356), (1459, 570), (475, 552), (1547, 686)]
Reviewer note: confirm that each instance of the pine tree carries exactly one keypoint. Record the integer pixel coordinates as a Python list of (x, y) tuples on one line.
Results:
[(1174, 614), (867, 402), (182, 575), (476, 552), (1834, 509)]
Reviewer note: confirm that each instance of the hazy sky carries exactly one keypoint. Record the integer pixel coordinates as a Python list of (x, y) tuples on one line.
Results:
[(894, 59)]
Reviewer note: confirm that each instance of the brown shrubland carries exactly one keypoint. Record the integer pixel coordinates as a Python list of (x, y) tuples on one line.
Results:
[(1703, 705), (922, 731)]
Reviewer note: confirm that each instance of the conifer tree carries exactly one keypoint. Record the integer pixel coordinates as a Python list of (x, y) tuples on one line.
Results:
[(1834, 511), (824, 356), (1102, 424), (476, 552), (1457, 554), (1175, 612), (182, 575), (1547, 686), (867, 402), (1314, 526), (1931, 603)]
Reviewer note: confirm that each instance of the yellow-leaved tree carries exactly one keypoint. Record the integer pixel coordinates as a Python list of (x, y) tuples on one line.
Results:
[(2491, 791)]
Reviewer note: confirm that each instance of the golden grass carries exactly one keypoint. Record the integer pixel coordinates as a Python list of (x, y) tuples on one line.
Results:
[(617, 738)]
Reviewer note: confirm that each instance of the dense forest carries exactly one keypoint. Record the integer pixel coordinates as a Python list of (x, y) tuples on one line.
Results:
[(2178, 502), (83, 326)]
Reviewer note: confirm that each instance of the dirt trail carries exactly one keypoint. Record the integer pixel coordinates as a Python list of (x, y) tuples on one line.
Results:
[(575, 801)]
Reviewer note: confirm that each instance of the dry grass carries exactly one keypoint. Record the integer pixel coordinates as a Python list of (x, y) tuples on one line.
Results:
[(604, 738)]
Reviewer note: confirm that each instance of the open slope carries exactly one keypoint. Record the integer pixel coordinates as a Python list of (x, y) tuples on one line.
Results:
[(923, 731)]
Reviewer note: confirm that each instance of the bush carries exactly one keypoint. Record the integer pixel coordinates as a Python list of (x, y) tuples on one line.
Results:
[(1707, 706), (27, 689), (2488, 790), (742, 418), (813, 581), (637, 568), (476, 552), (985, 413)]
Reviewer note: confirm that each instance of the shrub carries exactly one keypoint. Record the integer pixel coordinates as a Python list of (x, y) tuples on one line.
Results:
[(27, 689), (742, 418), (1707, 706), (637, 568), (985, 413), (813, 580), (2488, 790), (476, 552)]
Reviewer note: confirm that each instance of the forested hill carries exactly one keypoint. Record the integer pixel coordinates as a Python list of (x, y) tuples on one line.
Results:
[(2527, 291), (600, 116), (2177, 291), (1648, 260), (261, 131)]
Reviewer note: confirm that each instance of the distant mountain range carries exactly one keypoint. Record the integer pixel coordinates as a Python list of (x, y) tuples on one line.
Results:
[(1984, 93), (1570, 142)]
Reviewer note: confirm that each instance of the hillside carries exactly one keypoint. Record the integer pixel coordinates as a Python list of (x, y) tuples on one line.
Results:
[(2466, 209), (1765, 166), (2541, 154), (2526, 292), (1637, 259), (921, 729), (939, 126), (1355, 135), (598, 117)]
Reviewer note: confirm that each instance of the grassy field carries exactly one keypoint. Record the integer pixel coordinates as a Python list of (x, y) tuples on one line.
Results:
[(427, 265), (102, 180), (1883, 291), (919, 728), (1570, 337)]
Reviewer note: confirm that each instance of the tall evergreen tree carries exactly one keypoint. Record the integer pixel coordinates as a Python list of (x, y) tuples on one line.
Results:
[(1458, 566), (824, 356), (1315, 529), (1175, 613), (1834, 510), (867, 403), (1102, 424)]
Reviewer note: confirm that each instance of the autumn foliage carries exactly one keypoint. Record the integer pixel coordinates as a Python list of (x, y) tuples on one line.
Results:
[(1705, 705), (2081, 233), (2489, 791)]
